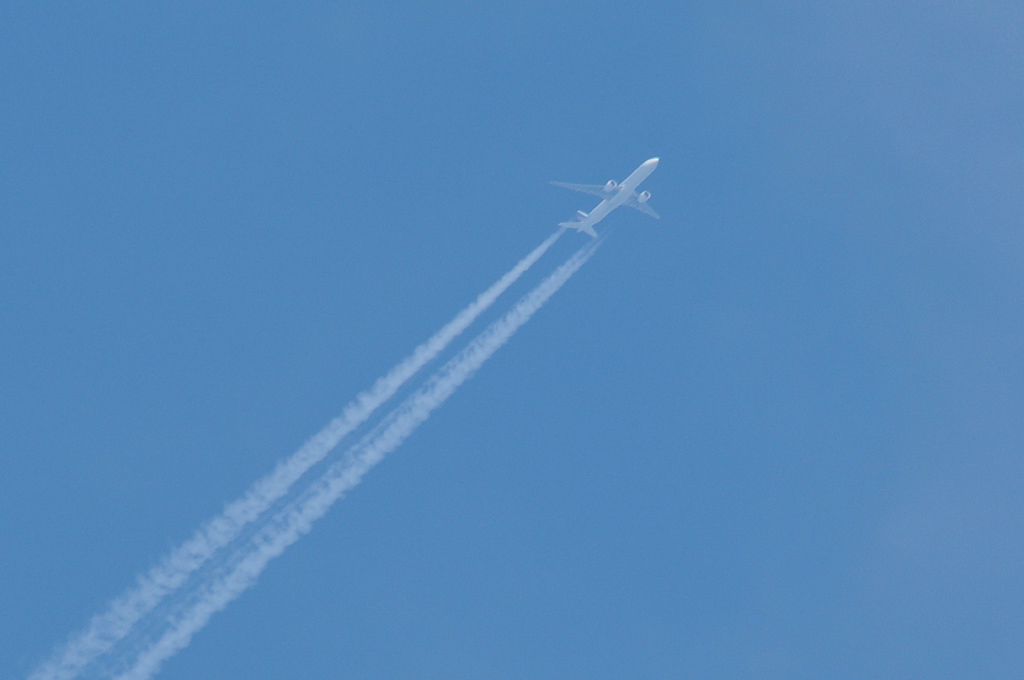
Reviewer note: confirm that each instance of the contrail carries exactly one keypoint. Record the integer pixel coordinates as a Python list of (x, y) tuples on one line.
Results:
[(107, 629), (297, 518)]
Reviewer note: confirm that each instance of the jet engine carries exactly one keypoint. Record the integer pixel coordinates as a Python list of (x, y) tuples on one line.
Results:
[(610, 186), (643, 197)]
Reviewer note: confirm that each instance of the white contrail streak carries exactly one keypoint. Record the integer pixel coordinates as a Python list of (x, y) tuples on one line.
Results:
[(297, 518), (106, 629)]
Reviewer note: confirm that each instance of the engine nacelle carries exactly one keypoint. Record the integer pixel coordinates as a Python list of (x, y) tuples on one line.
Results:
[(643, 197), (610, 186)]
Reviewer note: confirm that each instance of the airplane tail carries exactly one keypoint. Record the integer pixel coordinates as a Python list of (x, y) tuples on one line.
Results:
[(579, 227), (578, 224)]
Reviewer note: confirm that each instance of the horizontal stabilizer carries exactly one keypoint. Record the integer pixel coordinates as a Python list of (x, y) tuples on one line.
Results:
[(579, 226)]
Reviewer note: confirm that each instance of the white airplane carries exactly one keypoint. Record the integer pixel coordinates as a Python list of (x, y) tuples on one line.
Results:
[(613, 196)]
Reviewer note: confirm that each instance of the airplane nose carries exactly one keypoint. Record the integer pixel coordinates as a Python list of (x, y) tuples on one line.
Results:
[(652, 162)]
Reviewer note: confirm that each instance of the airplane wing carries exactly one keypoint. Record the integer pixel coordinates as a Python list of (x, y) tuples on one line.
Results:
[(631, 202), (593, 189)]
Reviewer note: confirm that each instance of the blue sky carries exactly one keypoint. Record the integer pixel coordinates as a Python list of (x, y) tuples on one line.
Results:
[(775, 434)]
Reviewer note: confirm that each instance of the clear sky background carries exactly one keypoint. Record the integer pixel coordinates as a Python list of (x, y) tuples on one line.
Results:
[(776, 434)]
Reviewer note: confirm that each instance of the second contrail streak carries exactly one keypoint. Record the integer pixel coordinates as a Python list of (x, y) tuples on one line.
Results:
[(107, 629), (297, 517)]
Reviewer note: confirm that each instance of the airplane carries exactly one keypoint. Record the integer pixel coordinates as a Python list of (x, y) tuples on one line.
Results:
[(613, 195)]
